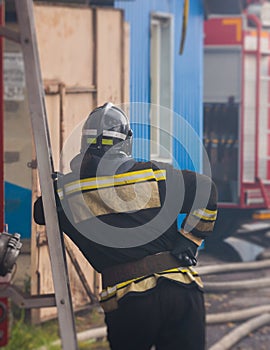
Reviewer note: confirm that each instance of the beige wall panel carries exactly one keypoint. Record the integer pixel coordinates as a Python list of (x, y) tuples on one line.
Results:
[(76, 109), (35, 313), (52, 108), (109, 56), (126, 60), (65, 40), (75, 54), (78, 293), (46, 285), (42, 283)]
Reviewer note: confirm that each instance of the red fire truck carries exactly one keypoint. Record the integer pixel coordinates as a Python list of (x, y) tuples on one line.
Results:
[(237, 116)]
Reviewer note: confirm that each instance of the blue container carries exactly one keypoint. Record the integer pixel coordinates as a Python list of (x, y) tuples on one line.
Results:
[(17, 209), (187, 76)]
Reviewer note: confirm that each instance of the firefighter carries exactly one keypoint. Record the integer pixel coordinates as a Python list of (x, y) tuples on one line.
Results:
[(122, 214)]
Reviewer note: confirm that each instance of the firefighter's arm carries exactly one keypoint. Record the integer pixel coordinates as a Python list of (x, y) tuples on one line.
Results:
[(38, 212), (200, 204)]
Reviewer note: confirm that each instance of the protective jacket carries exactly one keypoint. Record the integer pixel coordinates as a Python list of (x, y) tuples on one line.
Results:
[(142, 201)]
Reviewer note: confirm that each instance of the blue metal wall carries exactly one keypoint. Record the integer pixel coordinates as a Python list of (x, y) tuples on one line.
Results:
[(188, 70), (18, 202)]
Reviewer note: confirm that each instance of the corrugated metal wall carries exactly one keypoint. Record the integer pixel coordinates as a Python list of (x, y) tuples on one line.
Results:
[(188, 72)]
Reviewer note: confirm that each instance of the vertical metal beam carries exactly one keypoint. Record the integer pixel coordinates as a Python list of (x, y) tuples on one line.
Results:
[(258, 25), (1, 123), (25, 14)]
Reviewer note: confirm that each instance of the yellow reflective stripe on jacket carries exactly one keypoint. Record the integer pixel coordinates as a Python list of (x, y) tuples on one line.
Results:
[(91, 140), (112, 295), (205, 214), (191, 237), (109, 292), (116, 180), (107, 142), (160, 175), (60, 193)]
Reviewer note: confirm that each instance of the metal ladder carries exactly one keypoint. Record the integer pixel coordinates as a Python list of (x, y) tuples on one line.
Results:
[(27, 38)]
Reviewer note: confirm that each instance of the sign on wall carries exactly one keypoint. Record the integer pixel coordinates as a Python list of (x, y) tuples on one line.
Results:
[(14, 79)]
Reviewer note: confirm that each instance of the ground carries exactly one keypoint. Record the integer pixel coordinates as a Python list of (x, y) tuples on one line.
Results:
[(233, 301)]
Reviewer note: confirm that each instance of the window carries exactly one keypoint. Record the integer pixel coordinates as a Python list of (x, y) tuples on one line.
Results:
[(161, 70)]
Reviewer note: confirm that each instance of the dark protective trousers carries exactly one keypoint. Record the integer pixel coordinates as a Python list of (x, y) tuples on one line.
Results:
[(170, 316)]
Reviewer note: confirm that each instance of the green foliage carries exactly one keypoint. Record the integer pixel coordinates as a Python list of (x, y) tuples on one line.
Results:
[(27, 337), (24, 336), (91, 344), (27, 284)]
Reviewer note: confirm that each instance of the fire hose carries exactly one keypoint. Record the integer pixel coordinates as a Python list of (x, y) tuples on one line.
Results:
[(240, 332), (233, 267), (239, 315), (236, 285), (252, 313)]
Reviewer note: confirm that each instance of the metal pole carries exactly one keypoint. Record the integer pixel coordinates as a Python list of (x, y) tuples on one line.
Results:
[(258, 25), (25, 14)]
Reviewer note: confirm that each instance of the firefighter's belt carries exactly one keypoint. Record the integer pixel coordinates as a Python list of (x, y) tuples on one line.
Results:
[(149, 265)]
